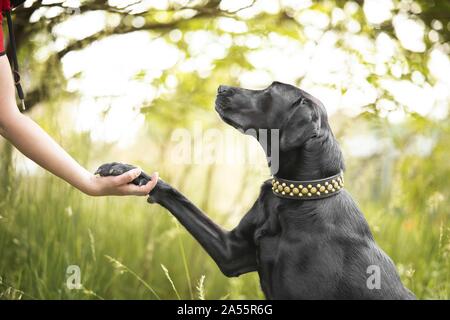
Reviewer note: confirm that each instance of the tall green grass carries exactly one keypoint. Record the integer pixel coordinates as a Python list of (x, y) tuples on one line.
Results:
[(128, 249), (125, 248)]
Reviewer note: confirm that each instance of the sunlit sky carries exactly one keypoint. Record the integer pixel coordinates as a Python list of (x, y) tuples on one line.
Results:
[(108, 67)]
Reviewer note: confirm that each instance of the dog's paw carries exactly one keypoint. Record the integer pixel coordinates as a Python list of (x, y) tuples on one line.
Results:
[(117, 168)]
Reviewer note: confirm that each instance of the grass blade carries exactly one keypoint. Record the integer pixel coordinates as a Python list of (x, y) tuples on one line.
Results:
[(201, 288), (123, 268), (166, 272), (185, 264)]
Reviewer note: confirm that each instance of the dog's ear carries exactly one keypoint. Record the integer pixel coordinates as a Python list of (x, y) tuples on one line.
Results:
[(302, 124)]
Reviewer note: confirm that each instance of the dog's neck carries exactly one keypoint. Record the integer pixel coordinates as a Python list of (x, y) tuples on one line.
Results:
[(318, 158)]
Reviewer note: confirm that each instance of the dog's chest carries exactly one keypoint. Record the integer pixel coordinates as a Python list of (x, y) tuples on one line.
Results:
[(267, 260), (283, 266), (286, 251)]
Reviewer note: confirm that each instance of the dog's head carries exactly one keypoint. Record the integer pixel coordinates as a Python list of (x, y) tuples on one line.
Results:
[(298, 115)]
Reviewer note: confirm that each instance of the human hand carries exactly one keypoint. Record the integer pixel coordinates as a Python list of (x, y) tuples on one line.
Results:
[(120, 185)]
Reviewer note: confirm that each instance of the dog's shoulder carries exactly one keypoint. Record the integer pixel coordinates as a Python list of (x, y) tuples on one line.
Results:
[(265, 222), (266, 186), (266, 197)]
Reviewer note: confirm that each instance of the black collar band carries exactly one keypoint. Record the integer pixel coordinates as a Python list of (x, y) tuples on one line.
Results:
[(308, 190)]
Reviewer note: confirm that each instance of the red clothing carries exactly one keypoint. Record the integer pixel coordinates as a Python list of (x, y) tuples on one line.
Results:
[(5, 5), (2, 44)]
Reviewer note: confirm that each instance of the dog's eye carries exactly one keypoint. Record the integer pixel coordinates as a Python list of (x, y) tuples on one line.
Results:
[(300, 101)]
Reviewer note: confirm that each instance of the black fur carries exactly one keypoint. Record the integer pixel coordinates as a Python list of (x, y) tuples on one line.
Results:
[(317, 249)]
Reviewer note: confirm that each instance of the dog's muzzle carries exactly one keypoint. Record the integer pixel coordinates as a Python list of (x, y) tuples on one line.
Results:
[(308, 190)]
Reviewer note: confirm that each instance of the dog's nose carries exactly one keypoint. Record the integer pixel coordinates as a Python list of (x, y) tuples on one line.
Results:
[(224, 89)]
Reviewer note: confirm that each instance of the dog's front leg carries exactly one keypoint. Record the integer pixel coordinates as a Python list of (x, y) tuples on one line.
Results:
[(233, 251)]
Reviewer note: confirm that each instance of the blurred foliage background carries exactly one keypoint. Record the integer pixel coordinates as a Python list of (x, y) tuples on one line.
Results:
[(113, 81)]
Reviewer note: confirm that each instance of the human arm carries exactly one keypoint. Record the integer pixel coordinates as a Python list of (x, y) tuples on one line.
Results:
[(37, 145)]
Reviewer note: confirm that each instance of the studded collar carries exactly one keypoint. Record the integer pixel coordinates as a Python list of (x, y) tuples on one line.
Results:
[(308, 190)]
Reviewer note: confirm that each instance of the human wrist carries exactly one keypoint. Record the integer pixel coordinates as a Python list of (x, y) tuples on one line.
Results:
[(88, 185)]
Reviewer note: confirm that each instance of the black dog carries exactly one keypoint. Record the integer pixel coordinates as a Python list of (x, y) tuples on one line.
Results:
[(306, 242)]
